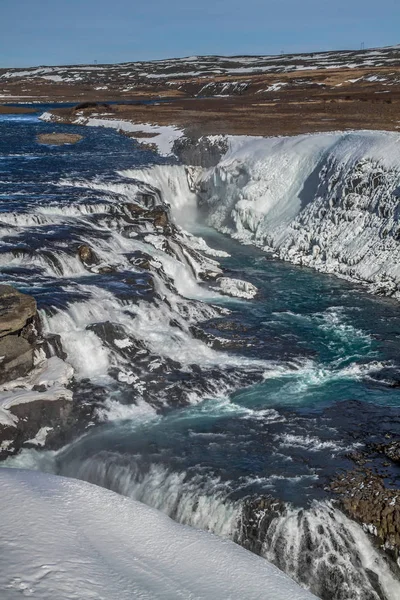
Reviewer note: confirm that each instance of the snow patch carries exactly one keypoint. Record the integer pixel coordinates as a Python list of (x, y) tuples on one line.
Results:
[(64, 538)]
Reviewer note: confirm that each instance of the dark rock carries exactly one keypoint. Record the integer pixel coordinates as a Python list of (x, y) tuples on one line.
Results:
[(255, 519), (19, 329), (17, 359), (87, 256), (52, 346), (365, 498), (391, 450), (15, 310), (91, 105), (134, 209), (160, 217), (198, 150), (209, 275)]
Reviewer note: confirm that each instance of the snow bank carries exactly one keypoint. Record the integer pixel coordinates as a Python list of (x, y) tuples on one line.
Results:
[(328, 201), (66, 539), (162, 136)]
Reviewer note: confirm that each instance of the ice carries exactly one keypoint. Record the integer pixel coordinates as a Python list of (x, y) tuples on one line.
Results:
[(328, 201), (237, 288), (66, 539)]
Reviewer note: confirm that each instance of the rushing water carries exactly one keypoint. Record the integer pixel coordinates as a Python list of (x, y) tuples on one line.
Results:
[(306, 372)]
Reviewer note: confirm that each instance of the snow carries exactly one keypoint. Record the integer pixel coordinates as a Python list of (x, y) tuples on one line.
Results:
[(47, 117), (40, 437), (67, 539), (328, 201), (237, 288), (164, 137), (275, 87), (56, 78)]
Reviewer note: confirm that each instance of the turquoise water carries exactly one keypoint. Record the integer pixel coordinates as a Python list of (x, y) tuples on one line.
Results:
[(317, 370)]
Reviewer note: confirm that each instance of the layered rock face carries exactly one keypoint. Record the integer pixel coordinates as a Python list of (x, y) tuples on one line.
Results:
[(18, 332), (34, 397)]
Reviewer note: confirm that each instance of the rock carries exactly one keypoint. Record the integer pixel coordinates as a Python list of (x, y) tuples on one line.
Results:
[(58, 139), (391, 450), (134, 209), (198, 150), (16, 310), (86, 255), (365, 498), (52, 346), (159, 217), (16, 357), (256, 517), (91, 106), (19, 327)]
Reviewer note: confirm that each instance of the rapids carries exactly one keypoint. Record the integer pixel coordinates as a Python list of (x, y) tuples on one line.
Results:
[(210, 404)]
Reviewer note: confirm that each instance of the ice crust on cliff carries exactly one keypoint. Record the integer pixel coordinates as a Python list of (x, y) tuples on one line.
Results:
[(328, 201), (87, 542)]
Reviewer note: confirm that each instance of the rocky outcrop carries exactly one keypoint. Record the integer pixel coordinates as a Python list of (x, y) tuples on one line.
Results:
[(365, 498), (36, 400), (15, 310), (200, 151), (18, 329), (86, 255), (391, 450), (256, 517)]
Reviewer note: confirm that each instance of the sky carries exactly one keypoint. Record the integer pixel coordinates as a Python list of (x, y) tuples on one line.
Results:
[(52, 32)]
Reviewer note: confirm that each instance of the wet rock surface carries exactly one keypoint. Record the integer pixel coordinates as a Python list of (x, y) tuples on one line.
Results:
[(196, 150), (256, 517), (365, 497), (18, 319), (31, 408), (16, 310)]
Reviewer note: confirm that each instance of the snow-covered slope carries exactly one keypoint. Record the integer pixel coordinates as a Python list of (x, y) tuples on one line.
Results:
[(66, 539), (328, 201)]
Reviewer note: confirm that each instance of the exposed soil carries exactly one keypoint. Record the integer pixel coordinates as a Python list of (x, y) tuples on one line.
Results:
[(289, 114)]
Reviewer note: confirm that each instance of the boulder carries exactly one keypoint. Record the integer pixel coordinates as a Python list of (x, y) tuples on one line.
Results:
[(16, 310), (18, 333), (16, 357), (86, 255)]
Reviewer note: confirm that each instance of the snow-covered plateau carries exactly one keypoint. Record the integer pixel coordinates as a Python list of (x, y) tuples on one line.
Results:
[(67, 539), (327, 201)]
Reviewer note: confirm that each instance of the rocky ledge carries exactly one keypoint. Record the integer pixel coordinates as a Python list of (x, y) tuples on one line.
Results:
[(368, 494), (36, 399), (18, 331)]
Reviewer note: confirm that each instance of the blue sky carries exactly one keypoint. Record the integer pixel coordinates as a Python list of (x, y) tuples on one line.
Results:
[(37, 32)]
